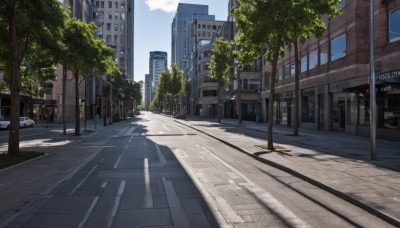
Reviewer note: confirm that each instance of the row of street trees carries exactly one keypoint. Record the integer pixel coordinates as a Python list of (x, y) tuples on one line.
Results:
[(37, 35), (170, 86), (265, 27)]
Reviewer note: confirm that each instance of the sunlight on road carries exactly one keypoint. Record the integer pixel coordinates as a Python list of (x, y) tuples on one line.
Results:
[(44, 143)]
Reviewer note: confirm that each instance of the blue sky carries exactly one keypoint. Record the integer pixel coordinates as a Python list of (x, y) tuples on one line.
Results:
[(153, 20)]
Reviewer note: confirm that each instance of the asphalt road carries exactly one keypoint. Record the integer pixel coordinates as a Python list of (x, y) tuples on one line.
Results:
[(153, 172)]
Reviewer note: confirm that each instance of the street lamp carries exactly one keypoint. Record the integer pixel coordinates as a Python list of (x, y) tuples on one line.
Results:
[(372, 99)]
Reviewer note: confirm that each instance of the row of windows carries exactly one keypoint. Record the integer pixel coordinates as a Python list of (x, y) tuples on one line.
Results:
[(100, 15), (117, 39), (214, 27), (100, 4), (338, 49), (204, 33)]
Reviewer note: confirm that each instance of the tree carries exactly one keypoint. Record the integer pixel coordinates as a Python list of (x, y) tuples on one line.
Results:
[(264, 22), (177, 84), (23, 24), (84, 54), (305, 21), (245, 54), (220, 66)]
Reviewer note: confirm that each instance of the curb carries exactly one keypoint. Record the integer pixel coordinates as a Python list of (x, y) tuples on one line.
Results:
[(385, 217)]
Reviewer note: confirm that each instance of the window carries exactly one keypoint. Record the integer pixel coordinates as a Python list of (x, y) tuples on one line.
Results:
[(209, 93), (280, 74), (308, 105), (338, 47), (115, 38), (303, 64), (122, 5), (323, 54), (122, 38), (116, 27), (286, 71), (116, 16), (292, 69), (245, 84), (342, 4), (122, 49), (109, 4), (313, 59), (102, 4), (214, 27), (99, 30), (208, 26), (108, 26), (116, 5), (123, 16), (122, 27), (199, 26), (394, 25), (97, 4), (204, 26), (110, 15), (108, 39)]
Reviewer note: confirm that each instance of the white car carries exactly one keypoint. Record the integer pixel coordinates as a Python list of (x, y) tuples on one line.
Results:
[(4, 122), (23, 122), (26, 122)]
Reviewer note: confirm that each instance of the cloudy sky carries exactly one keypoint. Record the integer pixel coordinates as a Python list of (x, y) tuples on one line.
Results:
[(153, 20)]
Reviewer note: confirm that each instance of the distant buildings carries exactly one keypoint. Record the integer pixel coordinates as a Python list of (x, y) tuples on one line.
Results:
[(147, 92), (181, 28)]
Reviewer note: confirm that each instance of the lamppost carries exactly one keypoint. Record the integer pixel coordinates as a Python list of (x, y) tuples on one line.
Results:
[(372, 99)]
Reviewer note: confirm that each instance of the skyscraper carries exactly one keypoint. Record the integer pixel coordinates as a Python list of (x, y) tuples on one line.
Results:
[(158, 62), (114, 20), (181, 42), (147, 91)]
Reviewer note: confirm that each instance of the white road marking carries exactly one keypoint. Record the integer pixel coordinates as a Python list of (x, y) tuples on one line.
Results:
[(148, 198), (82, 181), (160, 155), (104, 185), (117, 162), (179, 217), (160, 132), (165, 127), (181, 153), (83, 221), (264, 196), (131, 130), (116, 203)]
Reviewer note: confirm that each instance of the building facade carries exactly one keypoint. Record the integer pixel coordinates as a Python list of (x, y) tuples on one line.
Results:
[(181, 42), (334, 79), (158, 62), (206, 89), (147, 92)]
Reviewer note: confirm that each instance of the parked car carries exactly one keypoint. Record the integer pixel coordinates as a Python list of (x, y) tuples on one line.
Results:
[(26, 122), (4, 123)]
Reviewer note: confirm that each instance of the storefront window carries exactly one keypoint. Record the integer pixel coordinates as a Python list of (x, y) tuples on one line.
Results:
[(323, 54), (286, 71), (308, 105), (392, 110), (363, 110), (339, 111)]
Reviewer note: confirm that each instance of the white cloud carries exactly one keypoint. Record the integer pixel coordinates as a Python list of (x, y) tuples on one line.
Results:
[(164, 5)]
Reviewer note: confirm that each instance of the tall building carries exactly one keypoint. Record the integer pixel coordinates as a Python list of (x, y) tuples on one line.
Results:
[(181, 42), (147, 92), (204, 89), (114, 20), (158, 62)]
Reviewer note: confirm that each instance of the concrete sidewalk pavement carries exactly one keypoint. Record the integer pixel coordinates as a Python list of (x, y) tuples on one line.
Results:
[(336, 162)]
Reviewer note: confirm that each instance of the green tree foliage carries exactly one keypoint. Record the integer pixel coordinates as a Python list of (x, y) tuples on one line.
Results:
[(24, 27), (83, 53), (220, 67), (274, 23), (177, 85), (305, 21)]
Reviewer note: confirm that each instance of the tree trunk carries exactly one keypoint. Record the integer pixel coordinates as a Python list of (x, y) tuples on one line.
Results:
[(64, 98), (77, 107), (272, 98), (15, 84), (239, 97), (296, 90), (219, 103)]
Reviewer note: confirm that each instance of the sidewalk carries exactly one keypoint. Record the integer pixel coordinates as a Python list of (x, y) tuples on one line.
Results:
[(337, 162)]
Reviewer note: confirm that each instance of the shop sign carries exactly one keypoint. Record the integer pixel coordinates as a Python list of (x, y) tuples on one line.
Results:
[(393, 75), (38, 101)]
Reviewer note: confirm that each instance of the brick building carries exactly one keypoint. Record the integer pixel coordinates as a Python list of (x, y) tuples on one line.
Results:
[(334, 79)]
